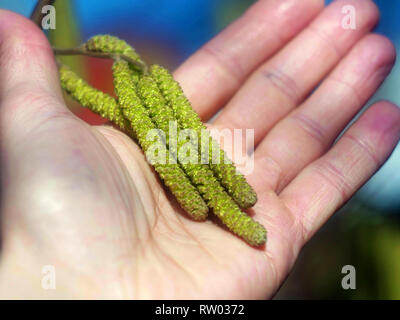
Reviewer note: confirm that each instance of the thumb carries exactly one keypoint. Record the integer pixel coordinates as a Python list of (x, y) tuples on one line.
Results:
[(29, 85)]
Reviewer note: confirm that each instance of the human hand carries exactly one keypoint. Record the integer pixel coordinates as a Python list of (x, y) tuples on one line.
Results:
[(84, 200)]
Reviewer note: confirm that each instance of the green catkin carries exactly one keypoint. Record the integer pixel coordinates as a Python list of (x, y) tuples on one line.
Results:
[(110, 44), (233, 181), (200, 174), (172, 175), (169, 104), (93, 99)]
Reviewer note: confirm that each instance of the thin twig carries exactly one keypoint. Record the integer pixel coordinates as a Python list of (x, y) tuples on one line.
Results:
[(37, 14), (81, 50)]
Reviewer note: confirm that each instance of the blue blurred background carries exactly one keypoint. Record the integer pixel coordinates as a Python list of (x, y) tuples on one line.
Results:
[(365, 233)]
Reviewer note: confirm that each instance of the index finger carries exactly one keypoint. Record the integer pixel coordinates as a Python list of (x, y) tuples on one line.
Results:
[(213, 74)]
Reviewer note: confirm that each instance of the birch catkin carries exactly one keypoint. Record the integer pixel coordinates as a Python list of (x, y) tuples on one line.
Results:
[(172, 174), (110, 44), (93, 99), (149, 103), (233, 181), (200, 174)]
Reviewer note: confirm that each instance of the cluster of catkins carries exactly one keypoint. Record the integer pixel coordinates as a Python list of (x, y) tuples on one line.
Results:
[(149, 98)]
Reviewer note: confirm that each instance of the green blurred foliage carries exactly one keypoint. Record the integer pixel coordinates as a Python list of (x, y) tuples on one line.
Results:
[(356, 236), (228, 11), (66, 34)]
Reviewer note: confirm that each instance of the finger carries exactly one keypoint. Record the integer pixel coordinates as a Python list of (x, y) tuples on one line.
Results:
[(322, 187), (284, 81), (29, 85), (211, 76), (307, 132)]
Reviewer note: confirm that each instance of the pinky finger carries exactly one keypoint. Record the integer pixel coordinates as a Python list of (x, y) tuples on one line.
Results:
[(327, 183)]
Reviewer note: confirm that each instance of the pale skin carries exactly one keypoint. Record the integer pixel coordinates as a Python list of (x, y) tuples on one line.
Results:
[(84, 200)]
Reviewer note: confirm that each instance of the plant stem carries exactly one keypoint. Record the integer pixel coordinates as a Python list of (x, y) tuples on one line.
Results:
[(37, 14), (81, 50)]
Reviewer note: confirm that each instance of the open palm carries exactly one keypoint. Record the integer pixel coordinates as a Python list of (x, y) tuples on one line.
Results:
[(84, 200)]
